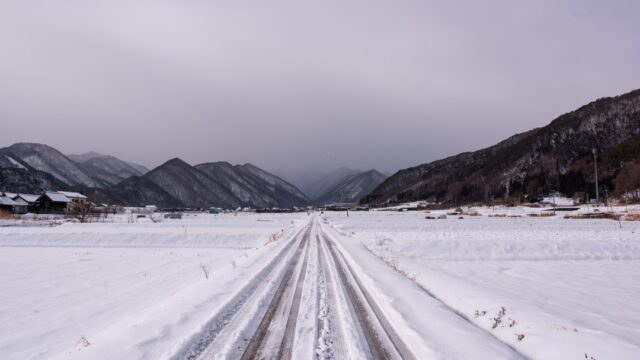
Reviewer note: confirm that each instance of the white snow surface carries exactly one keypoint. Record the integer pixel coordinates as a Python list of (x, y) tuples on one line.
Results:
[(132, 291), (569, 286), (15, 162), (560, 288)]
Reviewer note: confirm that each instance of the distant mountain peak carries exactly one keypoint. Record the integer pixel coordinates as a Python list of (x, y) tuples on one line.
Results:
[(351, 188), (45, 158), (84, 156)]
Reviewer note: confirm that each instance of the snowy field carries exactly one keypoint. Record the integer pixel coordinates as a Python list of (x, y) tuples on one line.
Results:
[(497, 285), (552, 288), (125, 291)]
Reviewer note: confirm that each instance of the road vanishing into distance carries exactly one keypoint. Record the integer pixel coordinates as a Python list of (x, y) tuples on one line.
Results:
[(306, 303)]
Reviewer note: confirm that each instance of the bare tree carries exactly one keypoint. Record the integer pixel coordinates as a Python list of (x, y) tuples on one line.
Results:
[(80, 210)]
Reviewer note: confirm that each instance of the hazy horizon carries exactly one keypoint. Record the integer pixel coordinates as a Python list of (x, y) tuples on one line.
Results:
[(297, 87)]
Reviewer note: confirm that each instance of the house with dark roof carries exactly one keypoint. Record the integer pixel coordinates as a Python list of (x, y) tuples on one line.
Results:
[(7, 204), (53, 203), (21, 206), (30, 199)]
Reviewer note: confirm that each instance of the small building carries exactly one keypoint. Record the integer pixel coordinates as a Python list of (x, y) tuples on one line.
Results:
[(7, 205), (53, 203), (30, 199), (21, 207), (74, 196)]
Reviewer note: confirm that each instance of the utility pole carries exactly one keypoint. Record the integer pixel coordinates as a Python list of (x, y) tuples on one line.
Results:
[(595, 168)]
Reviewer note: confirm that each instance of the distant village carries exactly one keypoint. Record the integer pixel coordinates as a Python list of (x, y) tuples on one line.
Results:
[(49, 202), (74, 203)]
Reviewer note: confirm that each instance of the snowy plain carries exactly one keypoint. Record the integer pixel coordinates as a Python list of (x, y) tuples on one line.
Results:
[(552, 288), (125, 290), (499, 285)]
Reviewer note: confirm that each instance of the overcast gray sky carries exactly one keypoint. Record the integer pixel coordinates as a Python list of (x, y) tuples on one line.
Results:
[(304, 84)]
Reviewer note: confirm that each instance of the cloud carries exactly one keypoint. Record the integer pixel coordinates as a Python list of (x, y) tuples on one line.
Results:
[(381, 85)]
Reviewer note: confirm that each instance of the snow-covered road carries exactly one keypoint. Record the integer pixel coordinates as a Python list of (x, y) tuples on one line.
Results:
[(321, 303), (315, 306)]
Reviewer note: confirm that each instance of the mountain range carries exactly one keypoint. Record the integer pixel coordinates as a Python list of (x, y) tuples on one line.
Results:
[(527, 166), (29, 167), (351, 189), (554, 158), (80, 171), (321, 184), (105, 169), (343, 185)]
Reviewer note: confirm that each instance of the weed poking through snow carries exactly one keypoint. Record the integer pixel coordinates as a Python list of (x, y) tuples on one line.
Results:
[(479, 313), (83, 342), (381, 242), (276, 236), (206, 269), (497, 320)]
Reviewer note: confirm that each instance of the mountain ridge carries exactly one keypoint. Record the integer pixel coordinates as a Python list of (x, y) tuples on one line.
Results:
[(352, 188), (529, 164), (31, 167)]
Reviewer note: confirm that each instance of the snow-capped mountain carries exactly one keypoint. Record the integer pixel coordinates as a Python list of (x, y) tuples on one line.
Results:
[(191, 186), (352, 189), (20, 177), (323, 184), (9, 160), (29, 167), (287, 194), (80, 158), (105, 169), (78, 171), (30, 181), (45, 158), (557, 157), (252, 189), (178, 184)]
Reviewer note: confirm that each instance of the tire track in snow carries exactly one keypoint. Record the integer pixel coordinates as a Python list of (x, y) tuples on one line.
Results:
[(382, 340), (270, 328), (200, 342), (517, 354), (289, 333), (325, 330)]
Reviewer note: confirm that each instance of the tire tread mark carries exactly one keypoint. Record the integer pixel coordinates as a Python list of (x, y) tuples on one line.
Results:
[(258, 337), (378, 351)]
